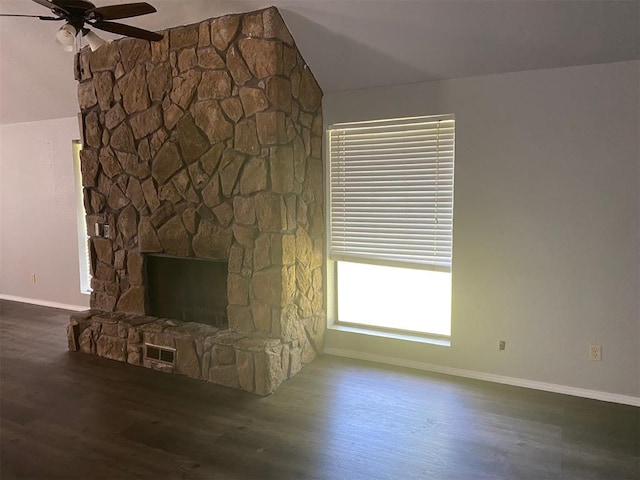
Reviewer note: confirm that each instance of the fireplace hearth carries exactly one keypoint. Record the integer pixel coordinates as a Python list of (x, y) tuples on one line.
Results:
[(204, 149)]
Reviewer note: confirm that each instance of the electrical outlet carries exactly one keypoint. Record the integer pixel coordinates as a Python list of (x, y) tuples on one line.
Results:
[(33, 278), (502, 345), (595, 352)]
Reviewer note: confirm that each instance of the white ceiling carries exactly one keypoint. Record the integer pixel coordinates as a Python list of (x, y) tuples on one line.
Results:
[(348, 44)]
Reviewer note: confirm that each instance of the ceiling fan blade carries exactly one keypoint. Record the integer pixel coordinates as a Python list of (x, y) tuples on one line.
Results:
[(51, 6), (30, 16), (127, 30), (114, 12)]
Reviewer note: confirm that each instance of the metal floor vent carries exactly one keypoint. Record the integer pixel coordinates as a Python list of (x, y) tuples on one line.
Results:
[(160, 354)]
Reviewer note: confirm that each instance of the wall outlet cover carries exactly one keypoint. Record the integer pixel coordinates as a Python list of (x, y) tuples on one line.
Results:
[(595, 352)]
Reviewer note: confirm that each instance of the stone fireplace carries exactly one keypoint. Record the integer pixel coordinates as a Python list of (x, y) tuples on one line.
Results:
[(202, 162)]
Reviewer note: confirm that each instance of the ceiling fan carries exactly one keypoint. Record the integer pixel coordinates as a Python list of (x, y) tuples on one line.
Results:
[(78, 14)]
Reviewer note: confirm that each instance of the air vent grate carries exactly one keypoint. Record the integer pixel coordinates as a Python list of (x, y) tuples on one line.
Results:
[(160, 354)]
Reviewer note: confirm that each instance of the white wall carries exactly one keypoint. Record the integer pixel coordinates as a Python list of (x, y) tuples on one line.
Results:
[(546, 229), (37, 212)]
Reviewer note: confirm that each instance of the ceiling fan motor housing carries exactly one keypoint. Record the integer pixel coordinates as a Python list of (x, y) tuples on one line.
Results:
[(74, 11)]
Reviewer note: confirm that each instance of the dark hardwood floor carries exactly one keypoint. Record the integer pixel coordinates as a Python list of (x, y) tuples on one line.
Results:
[(73, 416)]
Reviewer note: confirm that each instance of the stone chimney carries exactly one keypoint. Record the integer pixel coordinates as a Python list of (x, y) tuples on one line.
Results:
[(205, 145)]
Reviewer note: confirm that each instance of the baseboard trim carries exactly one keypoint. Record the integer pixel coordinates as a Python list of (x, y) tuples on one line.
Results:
[(43, 303), (488, 377)]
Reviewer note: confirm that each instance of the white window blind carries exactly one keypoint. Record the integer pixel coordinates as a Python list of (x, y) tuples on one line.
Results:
[(391, 191)]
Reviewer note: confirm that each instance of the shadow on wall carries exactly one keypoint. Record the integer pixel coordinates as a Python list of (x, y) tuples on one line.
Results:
[(343, 63)]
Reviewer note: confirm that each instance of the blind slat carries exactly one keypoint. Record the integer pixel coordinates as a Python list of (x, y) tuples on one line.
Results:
[(391, 190)]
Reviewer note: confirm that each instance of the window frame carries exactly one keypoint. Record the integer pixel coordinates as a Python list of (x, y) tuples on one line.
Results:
[(84, 261), (332, 262)]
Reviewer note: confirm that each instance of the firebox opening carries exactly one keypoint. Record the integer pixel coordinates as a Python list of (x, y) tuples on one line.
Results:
[(187, 289)]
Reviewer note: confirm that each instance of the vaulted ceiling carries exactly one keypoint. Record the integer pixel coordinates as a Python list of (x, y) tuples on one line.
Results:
[(349, 44)]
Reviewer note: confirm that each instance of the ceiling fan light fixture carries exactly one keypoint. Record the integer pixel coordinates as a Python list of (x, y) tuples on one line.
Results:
[(66, 36), (94, 40)]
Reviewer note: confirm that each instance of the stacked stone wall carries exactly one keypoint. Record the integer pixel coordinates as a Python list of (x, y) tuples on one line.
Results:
[(208, 144)]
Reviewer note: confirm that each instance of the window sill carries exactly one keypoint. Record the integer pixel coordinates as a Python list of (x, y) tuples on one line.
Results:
[(394, 335)]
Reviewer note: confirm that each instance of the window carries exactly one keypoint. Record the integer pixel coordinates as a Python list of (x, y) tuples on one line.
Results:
[(391, 222), (83, 239)]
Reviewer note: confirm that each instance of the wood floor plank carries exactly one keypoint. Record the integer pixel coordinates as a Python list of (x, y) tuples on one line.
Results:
[(66, 415)]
